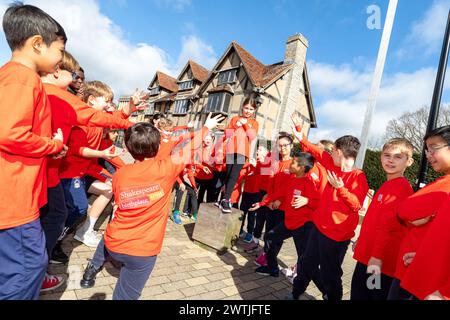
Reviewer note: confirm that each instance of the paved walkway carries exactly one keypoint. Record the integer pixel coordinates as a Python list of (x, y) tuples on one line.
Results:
[(184, 270)]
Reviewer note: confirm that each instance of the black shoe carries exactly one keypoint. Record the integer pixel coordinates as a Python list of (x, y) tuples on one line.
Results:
[(58, 255), (89, 275), (225, 206), (265, 270)]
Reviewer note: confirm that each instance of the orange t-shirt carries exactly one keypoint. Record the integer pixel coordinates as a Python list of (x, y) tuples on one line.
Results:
[(142, 192), (239, 138), (68, 111), (422, 204), (25, 143), (337, 216), (381, 232)]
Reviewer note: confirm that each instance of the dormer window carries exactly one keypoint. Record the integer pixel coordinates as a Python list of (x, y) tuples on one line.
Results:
[(154, 91), (228, 76), (186, 85)]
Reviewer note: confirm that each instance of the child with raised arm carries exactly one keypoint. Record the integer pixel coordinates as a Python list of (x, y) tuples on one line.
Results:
[(336, 218), (377, 247), (240, 132), (37, 42), (142, 193)]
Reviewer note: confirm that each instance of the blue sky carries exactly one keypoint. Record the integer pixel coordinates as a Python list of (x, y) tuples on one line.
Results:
[(123, 42)]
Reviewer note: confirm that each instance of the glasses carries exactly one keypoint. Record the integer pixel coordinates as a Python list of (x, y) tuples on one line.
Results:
[(284, 145), (75, 76), (433, 150)]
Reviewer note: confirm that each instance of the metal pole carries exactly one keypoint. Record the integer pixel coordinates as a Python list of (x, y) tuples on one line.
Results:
[(382, 52), (436, 101)]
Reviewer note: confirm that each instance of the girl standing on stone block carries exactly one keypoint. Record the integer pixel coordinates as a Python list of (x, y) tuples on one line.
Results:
[(240, 132)]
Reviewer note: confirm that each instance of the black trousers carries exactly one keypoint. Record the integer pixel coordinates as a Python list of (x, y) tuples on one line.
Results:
[(216, 185), (206, 187), (191, 199), (398, 293), (260, 219), (325, 255), (366, 286), (235, 163), (275, 237)]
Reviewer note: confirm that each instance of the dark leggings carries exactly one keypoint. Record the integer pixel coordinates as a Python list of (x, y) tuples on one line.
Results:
[(191, 197), (206, 187), (235, 163), (260, 219)]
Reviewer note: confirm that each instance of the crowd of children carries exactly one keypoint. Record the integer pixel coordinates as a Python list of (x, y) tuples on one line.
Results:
[(56, 149)]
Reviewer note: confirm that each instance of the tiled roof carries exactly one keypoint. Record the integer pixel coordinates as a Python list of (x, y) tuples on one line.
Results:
[(198, 71), (259, 73), (167, 82)]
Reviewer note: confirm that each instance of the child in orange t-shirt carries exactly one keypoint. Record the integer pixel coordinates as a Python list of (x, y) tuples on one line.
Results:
[(37, 42), (240, 132), (377, 247), (142, 193)]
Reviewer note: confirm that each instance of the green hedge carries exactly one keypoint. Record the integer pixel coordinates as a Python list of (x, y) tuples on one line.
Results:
[(376, 176), (375, 173)]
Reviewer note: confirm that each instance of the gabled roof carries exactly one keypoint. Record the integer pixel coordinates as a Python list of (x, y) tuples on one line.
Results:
[(165, 81), (198, 72)]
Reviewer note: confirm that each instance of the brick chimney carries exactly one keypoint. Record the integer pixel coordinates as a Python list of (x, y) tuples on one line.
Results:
[(296, 47)]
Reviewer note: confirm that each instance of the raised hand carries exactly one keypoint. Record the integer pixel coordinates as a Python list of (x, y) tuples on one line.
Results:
[(213, 122), (334, 180), (296, 119)]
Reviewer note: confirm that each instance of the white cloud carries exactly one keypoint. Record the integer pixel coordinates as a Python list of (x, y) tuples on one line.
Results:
[(344, 114), (427, 34), (103, 51), (196, 49)]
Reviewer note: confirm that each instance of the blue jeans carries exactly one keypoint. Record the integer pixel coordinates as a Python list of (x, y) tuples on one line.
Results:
[(54, 216), (133, 276), (23, 261), (76, 199)]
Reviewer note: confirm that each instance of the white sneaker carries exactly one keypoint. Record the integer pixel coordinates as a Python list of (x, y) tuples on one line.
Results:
[(89, 238)]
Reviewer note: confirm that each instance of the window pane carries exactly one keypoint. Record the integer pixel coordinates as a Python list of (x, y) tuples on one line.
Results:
[(226, 103)]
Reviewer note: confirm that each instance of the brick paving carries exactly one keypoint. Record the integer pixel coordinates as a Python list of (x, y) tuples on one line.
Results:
[(184, 270)]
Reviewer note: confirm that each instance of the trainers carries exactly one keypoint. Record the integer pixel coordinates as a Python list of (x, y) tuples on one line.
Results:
[(89, 238), (58, 255), (89, 275), (261, 260), (251, 247), (265, 270), (248, 238), (194, 217), (225, 206), (52, 282), (185, 214), (175, 217), (217, 204)]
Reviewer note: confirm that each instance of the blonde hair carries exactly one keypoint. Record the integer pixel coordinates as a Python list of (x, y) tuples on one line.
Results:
[(69, 63), (403, 144), (97, 89)]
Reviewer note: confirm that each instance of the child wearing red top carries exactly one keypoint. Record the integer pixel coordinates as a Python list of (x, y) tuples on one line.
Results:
[(377, 247), (84, 145), (428, 276), (280, 174), (252, 193), (67, 111), (142, 193), (204, 166), (299, 198), (419, 210), (240, 132), (37, 42), (336, 218)]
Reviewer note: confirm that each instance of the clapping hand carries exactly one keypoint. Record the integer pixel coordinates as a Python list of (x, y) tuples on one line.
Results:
[(334, 180)]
